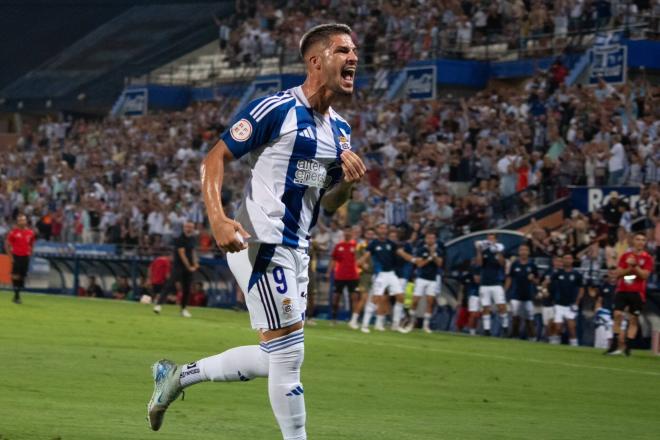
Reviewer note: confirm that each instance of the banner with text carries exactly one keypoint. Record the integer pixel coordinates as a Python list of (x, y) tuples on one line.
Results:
[(132, 102), (420, 82), (588, 199), (608, 59), (267, 87)]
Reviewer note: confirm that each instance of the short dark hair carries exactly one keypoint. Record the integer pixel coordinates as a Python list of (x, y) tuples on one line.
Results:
[(320, 33)]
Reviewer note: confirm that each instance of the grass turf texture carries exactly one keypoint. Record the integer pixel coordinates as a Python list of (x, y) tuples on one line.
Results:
[(80, 369)]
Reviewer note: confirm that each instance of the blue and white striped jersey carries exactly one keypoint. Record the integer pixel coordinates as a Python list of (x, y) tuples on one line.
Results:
[(293, 154)]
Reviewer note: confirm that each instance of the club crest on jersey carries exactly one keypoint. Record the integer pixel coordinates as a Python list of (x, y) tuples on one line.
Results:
[(311, 173), (343, 143), (241, 130), (287, 307)]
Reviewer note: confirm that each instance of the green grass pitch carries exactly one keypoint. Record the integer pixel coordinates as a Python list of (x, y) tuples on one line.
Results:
[(80, 369)]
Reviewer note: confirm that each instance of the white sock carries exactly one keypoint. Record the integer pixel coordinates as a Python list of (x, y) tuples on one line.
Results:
[(354, 318), (286, 356), (486, 321), (397, 314), (380, 320), (573, 342), (427, 320), (504, 317), (235, 364), (368, 313), (473, 331)]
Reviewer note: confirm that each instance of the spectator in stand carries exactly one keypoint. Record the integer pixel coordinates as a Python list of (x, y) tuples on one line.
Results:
[(93, 289), (197, 295), (121, 289)]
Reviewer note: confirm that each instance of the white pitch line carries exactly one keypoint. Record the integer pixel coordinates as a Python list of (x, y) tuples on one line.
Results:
[(491, 356)]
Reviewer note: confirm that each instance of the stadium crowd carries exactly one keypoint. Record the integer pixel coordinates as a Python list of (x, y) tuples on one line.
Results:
[(394, 32), (448, 166), (459, 164)]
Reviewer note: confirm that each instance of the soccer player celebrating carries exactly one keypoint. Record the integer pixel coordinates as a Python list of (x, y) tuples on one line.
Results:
[(383, 253), (490, 258), (301, 160), (344, 267), (19, 244), (429, 260), (522, 279), (568, 294), (632, 272)]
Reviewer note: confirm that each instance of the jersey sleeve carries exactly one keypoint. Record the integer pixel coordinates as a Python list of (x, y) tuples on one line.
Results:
[(648, 263), (11, 238), (371, 247), (257, 124)]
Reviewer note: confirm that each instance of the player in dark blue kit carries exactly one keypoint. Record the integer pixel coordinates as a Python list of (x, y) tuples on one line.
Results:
[(603, 310), (568, 294), (429, 255), (469, 280), (521, 283), (546, 295), (404, 268), (490, 258), (383, 253)]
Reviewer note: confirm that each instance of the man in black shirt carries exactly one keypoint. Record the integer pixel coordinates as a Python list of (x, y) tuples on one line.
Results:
[(184, 265), (612, 212)]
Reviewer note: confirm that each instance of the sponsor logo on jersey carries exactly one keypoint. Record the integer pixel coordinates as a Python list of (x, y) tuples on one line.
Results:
[(241, 130), (312, 173)]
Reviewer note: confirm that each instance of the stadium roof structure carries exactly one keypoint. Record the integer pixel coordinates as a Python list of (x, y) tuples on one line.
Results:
[(87, 49)]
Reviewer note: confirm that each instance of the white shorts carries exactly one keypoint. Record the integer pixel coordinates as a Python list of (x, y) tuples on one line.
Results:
[(563, 313), (491, 294), (424, 287), (518, 306), (387, 281), (548, 314), (474, 305), (274, 279)]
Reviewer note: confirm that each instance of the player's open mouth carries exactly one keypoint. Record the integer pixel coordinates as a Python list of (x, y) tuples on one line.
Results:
[(347, 74)]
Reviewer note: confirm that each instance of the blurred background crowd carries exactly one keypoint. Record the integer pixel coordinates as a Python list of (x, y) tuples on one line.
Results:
[(395, 32), (461, 163)]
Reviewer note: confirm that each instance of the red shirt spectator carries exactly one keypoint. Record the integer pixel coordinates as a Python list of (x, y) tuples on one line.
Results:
[(159, 270), (21, 241), (345, 264), (632, 283)]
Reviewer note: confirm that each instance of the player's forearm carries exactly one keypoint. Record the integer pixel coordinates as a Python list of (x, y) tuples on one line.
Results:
[(337, 196), (212, 175), (643, 274)]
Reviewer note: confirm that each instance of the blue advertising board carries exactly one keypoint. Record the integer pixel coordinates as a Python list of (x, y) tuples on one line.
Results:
[(134, 102), (608, 60), (267, 87), (420, 82)]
